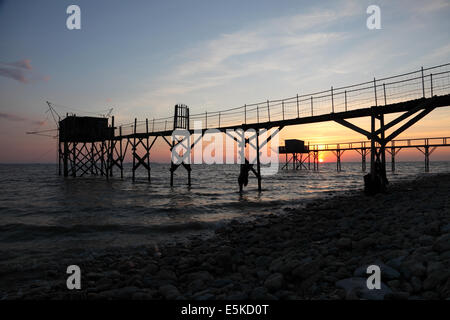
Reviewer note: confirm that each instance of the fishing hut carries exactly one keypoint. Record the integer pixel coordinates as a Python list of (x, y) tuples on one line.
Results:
[(83, 145), (298, 154)]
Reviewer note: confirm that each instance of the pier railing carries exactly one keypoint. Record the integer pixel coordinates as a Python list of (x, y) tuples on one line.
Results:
[(422, 83), (400, 143)]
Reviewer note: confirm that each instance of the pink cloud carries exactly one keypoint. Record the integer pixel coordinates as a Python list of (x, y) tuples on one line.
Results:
[(16, 74), (17, 118), (24, 64), (21, 71)]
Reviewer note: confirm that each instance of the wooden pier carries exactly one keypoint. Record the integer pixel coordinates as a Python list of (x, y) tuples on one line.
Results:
[(425, 145), (412, 95)]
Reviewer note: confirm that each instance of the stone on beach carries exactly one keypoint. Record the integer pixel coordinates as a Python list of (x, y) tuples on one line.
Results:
[(357, 288), (169, 292), (387, 272), (274, 282)]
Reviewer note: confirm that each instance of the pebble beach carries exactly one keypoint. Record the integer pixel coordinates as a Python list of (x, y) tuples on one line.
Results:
[(318, 251)]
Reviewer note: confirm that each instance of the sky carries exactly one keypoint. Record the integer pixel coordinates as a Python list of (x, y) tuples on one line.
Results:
[(143, 57)]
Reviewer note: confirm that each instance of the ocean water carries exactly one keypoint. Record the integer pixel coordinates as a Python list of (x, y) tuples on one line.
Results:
[(42, 213)]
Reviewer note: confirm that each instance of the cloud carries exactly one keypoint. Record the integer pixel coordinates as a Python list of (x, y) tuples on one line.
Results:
[(439, 54), (24, 64), (21, 71), (17, 118), (431, 6), (14, 73), (323, 46), (273, 47)]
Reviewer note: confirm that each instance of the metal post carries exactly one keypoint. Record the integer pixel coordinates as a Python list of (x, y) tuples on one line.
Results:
[(268, 109), (112, 146), (121, 154), (172, 166), (148, 151), (294, 158), (423, 83), (384, 91), (282, 107), (92, 159), (332, 100), (74, 162), (309, 157), (317, 158), (372, 146), (431, 84), (245, 114), (393, 156), (338, 159), (345, 96), (258, 164), (189, 176), (382, 148), (134, 148), (175, 116), (65, 159), (257, 112), (104, 166), (312, 106), (206, 120), (219, 119), (375, 89), (298, 108), (363, 159), (59, 155)]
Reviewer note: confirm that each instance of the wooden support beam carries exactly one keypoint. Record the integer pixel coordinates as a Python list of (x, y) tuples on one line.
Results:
[(271, 136), (353, 127), (404, 116), (408, 124)]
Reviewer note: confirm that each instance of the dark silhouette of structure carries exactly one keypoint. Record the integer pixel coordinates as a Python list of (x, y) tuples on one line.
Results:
[(83, 144), (413, 94)]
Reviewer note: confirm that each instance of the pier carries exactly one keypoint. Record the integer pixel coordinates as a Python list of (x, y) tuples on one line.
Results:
[(412, 95), (299, 159)]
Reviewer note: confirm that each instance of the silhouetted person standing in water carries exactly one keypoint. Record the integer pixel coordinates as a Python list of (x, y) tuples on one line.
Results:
[(243, 175)]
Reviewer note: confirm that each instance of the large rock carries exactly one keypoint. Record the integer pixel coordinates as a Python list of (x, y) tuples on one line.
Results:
[(166, 274), (357, 288), (307, 268), (442, 243), (260, 293), (169, 292), (445, 228), (435, 278), (274, 282), (413, 268), (364, 243), (344, 243), (200, 275), (396, 262)]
